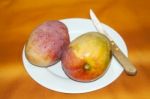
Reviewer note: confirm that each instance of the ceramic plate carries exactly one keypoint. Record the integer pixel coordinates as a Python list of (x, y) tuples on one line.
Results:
[(55, 79)]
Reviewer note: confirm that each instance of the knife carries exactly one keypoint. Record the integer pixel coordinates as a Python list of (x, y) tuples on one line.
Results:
[(129, 68)]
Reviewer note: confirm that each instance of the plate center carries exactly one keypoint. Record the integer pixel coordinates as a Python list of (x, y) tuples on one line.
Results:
[(57, 70)]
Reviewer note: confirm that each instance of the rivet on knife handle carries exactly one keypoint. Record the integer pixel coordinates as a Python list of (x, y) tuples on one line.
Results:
[(123, 60)]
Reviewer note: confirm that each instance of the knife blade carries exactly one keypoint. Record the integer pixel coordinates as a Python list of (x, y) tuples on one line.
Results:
[(129, 68)]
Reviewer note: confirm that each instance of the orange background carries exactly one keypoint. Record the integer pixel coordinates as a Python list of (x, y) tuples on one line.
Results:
[(131, 18)]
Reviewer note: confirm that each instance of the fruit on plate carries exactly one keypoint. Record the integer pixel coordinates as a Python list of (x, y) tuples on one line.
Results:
[(46, 43), (87, 57)]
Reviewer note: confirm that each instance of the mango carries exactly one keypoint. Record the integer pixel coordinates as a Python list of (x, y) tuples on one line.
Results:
[(47, 43), (87, 57)]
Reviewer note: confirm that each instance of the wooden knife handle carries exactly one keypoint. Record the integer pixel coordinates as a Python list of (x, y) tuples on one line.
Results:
[(123, 60)]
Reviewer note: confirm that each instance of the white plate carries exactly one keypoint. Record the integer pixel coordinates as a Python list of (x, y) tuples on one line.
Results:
[(55, 79)]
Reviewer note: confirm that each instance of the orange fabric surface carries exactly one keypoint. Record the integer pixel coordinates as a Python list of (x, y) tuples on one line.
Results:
[(131, 18)]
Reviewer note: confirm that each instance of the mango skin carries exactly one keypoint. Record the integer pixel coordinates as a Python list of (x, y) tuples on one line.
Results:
[(87, 57), (47, 43)]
